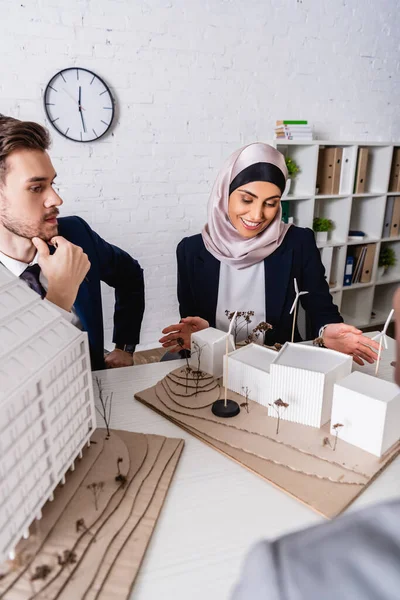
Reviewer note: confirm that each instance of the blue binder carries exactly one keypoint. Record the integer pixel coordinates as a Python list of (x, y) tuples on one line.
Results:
[(348, 273)]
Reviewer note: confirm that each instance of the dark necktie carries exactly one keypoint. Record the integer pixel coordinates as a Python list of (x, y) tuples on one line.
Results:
[(31, 276)]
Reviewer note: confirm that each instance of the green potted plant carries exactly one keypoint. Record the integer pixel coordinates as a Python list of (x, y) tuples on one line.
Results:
[(293, 169), (322, 227), (387, 259)]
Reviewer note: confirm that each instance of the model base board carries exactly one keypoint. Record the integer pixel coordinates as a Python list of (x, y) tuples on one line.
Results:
[(297, 459), (91, 539)]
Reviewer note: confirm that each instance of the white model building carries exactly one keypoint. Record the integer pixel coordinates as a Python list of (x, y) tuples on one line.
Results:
[(46, 405), (303, 376), (249, 367), (212, 343), (369, 410)]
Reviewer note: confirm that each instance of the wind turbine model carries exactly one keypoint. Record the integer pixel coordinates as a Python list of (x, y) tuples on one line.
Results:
[(226, 408), (294, 306), (382, 340)]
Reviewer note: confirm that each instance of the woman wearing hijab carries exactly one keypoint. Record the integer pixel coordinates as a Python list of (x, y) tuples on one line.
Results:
[(246, 259)]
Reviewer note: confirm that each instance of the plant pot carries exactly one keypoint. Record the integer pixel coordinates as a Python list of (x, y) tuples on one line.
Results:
[(381, 272), (321, 236)]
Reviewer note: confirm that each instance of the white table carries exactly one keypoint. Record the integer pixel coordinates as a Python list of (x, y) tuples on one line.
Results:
[(215, 509)]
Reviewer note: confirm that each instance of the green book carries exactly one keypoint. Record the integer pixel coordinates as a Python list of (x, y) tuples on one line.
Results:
[(285, 210), (292, 122)]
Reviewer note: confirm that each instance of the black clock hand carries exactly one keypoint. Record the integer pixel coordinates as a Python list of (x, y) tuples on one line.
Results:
[(80, 108)]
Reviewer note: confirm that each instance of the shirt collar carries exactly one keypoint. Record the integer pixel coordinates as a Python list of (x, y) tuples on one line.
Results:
[(17, 267)]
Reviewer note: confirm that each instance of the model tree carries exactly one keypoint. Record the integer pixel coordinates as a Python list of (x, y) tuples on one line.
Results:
[(278, 406), (188, 369), (120, 477), (260, 329), (246, 393), (106, 404), (241, 320), (198, 374), (96, 489), (336, 427)]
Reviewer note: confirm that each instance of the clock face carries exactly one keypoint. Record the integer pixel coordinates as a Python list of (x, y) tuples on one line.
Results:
[(79, 105)]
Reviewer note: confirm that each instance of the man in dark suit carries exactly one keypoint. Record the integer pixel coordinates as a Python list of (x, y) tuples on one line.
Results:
[(64, 260)]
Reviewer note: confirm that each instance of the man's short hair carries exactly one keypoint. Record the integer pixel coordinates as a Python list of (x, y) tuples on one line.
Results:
[(19, 135)]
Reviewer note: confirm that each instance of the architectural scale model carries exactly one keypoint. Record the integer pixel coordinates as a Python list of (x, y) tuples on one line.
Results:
[(211, 342), (249, 367), (92, 538), (112, 495), (282, 431), (303, 376), (369, 410), (46, 403)]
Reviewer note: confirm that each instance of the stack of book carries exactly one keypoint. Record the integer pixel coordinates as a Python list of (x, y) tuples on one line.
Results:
[(359, 264), (293, 130)]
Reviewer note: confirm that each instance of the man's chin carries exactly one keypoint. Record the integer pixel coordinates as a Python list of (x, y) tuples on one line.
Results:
[(49, 231)]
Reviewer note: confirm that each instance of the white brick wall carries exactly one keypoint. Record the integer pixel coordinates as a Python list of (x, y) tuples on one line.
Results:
[(193, 80)]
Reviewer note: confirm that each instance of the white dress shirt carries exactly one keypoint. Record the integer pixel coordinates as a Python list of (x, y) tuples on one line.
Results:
[(17, 267), (241, 290)]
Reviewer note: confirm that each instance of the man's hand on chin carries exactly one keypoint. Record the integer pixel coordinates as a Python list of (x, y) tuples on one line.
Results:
[(118, 358)]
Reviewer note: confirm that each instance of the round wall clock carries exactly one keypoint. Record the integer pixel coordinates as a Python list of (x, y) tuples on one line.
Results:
[(79, 104)]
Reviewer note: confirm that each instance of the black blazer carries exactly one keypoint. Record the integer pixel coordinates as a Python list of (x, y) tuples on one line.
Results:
[(297, 256), (119, 270)]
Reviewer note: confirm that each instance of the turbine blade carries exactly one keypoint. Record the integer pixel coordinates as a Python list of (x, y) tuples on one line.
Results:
[(232, 322)]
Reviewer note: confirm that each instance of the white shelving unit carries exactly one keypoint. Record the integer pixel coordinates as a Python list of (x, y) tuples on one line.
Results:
[(348, 210)]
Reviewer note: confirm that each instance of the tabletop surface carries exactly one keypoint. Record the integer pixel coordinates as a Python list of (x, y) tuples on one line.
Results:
[(215, 509)]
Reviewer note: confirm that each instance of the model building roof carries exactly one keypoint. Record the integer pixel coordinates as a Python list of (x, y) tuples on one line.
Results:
[(256, 356), (31, 333), (370, 386), (211, 335), (310, 358)]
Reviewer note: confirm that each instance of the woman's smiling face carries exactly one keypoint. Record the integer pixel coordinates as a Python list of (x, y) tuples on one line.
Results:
[(253, 206)]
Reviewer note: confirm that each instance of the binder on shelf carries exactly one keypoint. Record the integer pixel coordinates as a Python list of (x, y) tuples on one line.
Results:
[(329, 169), (394, 183), (366, 273), (348, 272), (337, 169), (361, 174), (395, 222), (387, 223), (359, 256)]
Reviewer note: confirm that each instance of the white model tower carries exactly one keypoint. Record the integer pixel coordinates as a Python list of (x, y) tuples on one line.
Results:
[(46, 405)]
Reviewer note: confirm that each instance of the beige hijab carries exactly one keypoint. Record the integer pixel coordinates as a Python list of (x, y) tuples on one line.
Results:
[(219, 235)]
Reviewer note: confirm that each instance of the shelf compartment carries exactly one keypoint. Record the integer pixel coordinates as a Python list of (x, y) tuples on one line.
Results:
[(378, 168), (333, 259), (383, 301), (305, 157), (367, 214), (302, 212), (338, 210), (393, 273), (357, 304)]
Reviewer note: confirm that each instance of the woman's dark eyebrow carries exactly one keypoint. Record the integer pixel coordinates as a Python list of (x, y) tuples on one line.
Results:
[(256, 197)]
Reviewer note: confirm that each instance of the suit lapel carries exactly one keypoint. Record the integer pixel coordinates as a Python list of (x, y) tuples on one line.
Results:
[(207, 269), (278, 267)]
